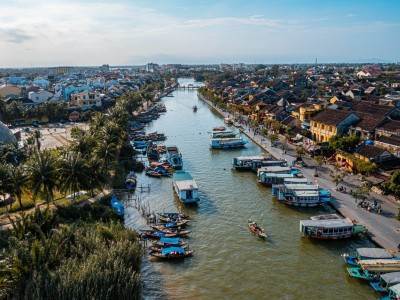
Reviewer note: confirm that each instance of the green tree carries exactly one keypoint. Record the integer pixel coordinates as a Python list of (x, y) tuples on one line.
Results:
[(43, 174), (18, 181)]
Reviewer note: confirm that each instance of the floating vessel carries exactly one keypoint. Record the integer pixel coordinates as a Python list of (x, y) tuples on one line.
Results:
[(215, 134), (252, 163), (185, 187), (174, 157), (117, 206), (353, 259), (131, 181), (276, 174), (329, 227), (380, 265), (257, 230), (179, 232), (394, 293), (227, 143), (385, 282), (306, 195), (172, 253), (168, 242), (288, 180), (152, 234), (172, 217)]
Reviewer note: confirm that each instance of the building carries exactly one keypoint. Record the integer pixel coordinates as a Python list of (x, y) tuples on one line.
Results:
[(86, 100), (9, 91), (389, 143), (331, 122), (370, 153), (39, 96)]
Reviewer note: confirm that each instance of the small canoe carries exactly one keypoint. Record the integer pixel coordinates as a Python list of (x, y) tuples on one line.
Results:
[(172, 217), (178, 232), (174, 224), (156, 235), (172, 253), (257, 230), (151, 173)]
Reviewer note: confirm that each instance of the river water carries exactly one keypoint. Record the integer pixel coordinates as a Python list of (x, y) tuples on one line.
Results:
[(229, 262)]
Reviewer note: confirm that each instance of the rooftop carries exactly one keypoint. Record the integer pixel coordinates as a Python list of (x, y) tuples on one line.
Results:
[(331, 116)]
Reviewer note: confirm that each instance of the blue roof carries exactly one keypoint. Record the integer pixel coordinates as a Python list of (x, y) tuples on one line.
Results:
[(171, 241), (182, 175), (170, 250)]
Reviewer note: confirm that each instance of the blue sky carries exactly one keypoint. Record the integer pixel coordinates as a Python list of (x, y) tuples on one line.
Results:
[(120, 32)]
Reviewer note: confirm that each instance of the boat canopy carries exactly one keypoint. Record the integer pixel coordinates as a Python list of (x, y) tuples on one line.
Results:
[(278, 175), (373, 253), (170, 250), (326, 217), (186, 185), (395, 289), (295, 180), (274, 169), (338, 223), (301, 187), (255, 157), (306, 193), (172, 241), (391, 278)]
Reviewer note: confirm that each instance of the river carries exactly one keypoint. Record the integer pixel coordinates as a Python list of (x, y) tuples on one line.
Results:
[(229, 262)]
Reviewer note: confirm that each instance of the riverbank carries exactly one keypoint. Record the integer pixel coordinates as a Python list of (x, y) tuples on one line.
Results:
[(383, 229)]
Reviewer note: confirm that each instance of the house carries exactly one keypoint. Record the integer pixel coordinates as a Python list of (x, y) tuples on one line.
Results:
[(10, 91), (389, 143), (39, 96), (331, 122), (373, 154), (86, 100), (389, 128)]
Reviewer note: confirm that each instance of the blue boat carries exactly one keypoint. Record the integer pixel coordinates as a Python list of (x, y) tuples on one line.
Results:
[(131, 181), (385, 282), (394, 293), (305, 195), (185, 187), (228, 143), (169, 242), (174, 157), (117, 206), (172, 253)]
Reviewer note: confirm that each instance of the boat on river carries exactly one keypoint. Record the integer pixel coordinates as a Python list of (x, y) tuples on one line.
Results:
[(305, 195), (393, 293), (131, 181), (169, 242), (179, 232), (380, 265), (360, 254), (172, 217), (174, 157), (216, 134), (256, 229), (288, 180), (385, 282), (172, 253), (185, 187), (156, 235), (117, 206), (228, 143), (330, 227), (276, 174), (252, 163)]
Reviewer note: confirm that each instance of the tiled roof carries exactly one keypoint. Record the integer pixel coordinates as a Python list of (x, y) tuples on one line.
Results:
[(391, 125), (371, 108), (391, 140), (370, 151), (369, 122), (331, 116)]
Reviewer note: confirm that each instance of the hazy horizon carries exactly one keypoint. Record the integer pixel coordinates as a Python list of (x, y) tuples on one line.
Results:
[(94, 32)]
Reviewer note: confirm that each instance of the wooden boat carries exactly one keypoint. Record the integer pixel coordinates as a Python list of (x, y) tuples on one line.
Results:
[(172, 217), (174, 224), (152, 234), (172, 253), (219, 128), (174, 157), (152, 173), (169, 242), (257, 230), (393, 293), (131, 181), (385, 281), (360, 254), (177, 231), (359, 273)]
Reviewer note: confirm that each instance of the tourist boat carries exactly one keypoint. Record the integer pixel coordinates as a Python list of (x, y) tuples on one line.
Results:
[(353, 259), (194, 108), (228, 143), (185, 187), (257, 230), (393, 293), (218, 134), (117, 206), (276, 174), (329, 227), (288, 180), (252, 163), (305, 195), (380, 265), (385, 282), (130, 181), (174, 157), (172, 253), (169, 242)]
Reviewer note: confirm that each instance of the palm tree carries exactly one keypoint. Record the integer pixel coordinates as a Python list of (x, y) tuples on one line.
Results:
[(5, 185), (73, 172), (43, 174), (106, 153), (18, 180)]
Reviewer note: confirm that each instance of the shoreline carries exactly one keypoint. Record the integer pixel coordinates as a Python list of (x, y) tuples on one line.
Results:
[(338, 202)]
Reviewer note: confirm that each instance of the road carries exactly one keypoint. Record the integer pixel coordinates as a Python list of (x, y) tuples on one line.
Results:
[(384, 229)]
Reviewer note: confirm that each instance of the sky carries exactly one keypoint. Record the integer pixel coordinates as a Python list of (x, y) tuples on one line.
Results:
[(130, 32)]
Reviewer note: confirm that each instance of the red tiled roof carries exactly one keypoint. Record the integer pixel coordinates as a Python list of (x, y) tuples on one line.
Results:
[(331, 116)]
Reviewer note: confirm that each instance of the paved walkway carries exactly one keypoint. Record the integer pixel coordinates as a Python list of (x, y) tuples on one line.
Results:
[(384, 229)]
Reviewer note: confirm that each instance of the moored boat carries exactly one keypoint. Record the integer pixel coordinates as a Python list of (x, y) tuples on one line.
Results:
[(172, 217), (305, 195), (329, 227), (152, 234), (380, 265), (185, 187), (393, 293), (174, 157), (131, 181), (169, 242), (256, 229), (252, 163), (385, 281), (172, 253), (353, 259)]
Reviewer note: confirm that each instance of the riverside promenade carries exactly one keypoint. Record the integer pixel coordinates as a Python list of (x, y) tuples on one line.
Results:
[(383, 229)]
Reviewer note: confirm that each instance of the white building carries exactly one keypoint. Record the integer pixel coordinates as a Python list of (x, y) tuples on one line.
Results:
[(40, 96), (86, 100)]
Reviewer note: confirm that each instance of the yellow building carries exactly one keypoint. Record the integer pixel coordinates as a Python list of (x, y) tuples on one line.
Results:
[(306, 112), (331, 122)]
